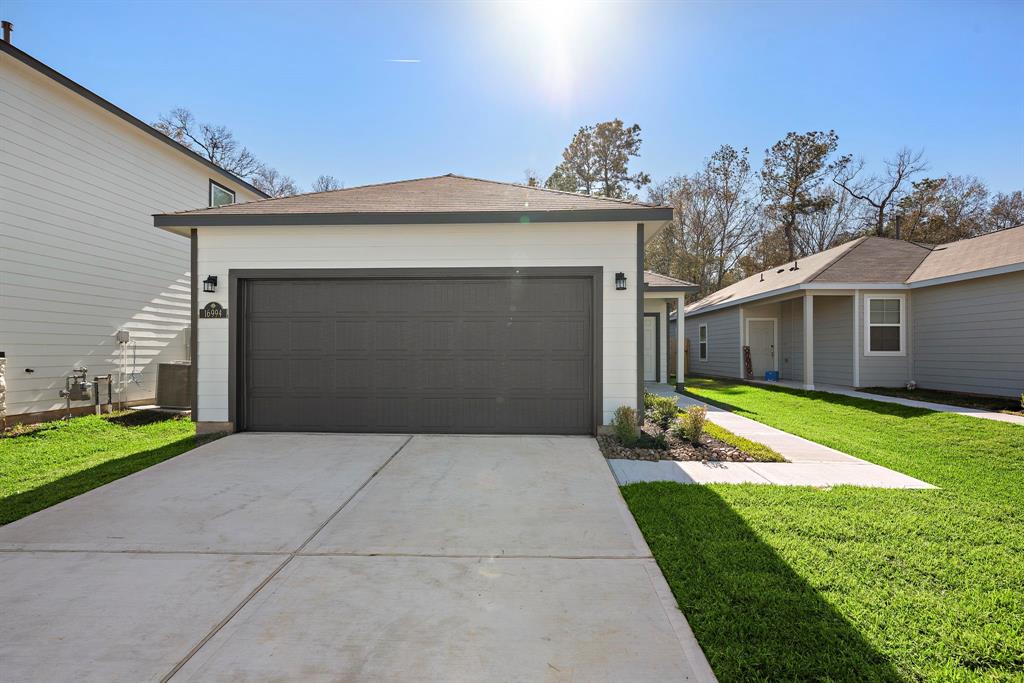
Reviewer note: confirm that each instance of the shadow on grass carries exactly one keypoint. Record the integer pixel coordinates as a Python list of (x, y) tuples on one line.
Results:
[(737, 387), (755, 618), (19, 505)]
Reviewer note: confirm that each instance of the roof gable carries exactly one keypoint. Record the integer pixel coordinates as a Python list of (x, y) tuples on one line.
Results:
[(874, 260), (995, 250)]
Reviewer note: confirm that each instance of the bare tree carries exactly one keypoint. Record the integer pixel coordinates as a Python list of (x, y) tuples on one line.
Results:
[(832, 226), (326, 183), (530, 178), (880, 192), (736, 206), (1006, 211), (268, 180), (214, 142)]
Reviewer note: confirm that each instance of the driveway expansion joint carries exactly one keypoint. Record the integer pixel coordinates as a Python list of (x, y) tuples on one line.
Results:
[(238, 608)]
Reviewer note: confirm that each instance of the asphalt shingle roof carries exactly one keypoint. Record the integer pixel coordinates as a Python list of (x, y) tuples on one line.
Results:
[(878, 260), (439, 194)]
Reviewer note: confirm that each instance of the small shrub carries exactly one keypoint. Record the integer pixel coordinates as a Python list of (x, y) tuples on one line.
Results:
[(663, 410), (649, 400), (691, 425), (625, 426)]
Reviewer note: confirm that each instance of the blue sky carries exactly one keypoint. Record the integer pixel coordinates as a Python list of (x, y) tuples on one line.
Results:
[(499, 88)]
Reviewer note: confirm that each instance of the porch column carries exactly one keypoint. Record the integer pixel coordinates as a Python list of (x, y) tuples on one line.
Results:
[(680, 343), (808, 341)]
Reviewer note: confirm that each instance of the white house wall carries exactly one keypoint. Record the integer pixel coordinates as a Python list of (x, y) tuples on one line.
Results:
[(611, 246), (79, 257)]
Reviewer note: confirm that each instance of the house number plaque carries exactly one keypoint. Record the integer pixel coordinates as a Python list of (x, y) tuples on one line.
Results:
[(213, 310)]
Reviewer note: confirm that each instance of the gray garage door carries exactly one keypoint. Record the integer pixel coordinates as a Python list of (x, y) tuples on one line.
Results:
[(427, 355)]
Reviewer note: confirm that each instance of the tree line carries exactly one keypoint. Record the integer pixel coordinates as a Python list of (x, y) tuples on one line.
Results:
[(218, 144), (733, 220)]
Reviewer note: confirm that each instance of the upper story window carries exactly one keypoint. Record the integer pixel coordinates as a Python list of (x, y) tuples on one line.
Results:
[(220, 195), (702, 342), (884, 333)]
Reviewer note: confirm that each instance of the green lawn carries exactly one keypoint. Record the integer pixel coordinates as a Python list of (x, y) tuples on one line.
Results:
[(1010, 406), (786, 583), (60, 460)]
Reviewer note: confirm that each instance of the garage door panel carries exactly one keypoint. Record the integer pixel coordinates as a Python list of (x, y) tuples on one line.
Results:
[(433, 355), (353, 335)]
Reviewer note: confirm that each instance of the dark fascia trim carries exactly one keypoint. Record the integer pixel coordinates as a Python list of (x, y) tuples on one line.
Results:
[(236, 301), (194, 318), (670, 288), (200, 220), (57, 76)]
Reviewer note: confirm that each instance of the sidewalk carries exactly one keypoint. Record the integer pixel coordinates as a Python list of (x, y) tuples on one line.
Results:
[(810, 463), (909, 402)]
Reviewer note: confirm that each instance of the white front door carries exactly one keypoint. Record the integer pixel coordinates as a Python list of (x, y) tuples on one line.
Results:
[(761, 340), (650, 349)]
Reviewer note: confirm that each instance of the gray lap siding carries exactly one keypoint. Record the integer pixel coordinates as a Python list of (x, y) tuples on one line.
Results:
[(723, 355), (969, 336)]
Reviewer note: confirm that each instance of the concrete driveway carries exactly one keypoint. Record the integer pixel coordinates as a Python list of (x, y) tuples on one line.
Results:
[(321, 557)]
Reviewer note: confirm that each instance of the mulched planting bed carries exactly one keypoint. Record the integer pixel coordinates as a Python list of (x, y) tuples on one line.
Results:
[(710, 448)]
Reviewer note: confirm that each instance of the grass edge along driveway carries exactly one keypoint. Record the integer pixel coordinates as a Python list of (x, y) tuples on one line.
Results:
[(63, 459), (791, 583)]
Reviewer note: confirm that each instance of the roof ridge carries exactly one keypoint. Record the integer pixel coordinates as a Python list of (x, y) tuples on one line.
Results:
[(968, 239), (553, 190), (854, 244)]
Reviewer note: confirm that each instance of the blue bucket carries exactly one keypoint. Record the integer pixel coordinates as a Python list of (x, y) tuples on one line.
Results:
[(771, 376)]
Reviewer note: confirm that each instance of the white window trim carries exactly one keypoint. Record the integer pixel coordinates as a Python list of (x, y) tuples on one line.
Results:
[(775, 340), (868, 298), (234, 196), (707, 345)]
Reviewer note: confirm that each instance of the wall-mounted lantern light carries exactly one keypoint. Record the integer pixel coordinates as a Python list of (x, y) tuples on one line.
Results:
[(620, 281), (210, 283)]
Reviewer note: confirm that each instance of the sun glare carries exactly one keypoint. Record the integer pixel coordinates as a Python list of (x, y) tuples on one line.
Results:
[(555, 41)]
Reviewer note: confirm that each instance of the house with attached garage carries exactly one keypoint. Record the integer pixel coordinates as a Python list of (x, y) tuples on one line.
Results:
[(442, 304), (875, 312), (79, 260)]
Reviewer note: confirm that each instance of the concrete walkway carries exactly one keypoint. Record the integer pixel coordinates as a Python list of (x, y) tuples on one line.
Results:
[(332, 557), (810, 463), (911, 403)]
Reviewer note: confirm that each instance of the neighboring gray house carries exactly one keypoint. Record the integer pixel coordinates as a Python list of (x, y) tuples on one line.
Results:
[(881, 312)]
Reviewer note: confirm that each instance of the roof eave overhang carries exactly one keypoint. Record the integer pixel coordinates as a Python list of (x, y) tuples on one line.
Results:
[(695, 309), (671, 288), (202, 220)]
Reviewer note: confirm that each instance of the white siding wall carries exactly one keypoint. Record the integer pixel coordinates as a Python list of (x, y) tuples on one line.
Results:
[(658, 306), (79, 256), (969, 336), (608, 245)]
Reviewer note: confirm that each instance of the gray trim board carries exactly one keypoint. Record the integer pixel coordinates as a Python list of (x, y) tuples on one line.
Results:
[(657, 345), (237, 303), (670, 288), (194, 318), (194, 220), (640, 322), (79, 89)]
